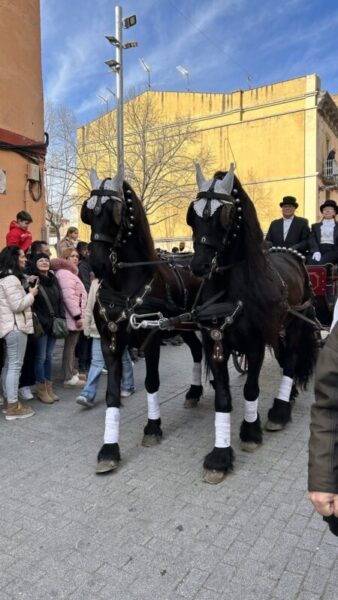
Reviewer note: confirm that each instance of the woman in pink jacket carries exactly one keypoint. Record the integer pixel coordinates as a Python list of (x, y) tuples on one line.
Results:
[(75, 299)]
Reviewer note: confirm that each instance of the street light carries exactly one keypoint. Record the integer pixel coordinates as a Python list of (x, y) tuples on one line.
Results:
[(116, 66), (146, 68), (185, 74)]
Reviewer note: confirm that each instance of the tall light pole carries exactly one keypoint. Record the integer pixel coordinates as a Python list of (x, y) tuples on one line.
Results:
[(185, 74), (146, 68), (116, 66)]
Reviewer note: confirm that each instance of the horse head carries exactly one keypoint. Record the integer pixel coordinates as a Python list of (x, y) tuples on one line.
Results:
[(215, 218), (109, 212)]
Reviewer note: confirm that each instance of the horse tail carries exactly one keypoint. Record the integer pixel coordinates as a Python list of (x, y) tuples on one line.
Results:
[(304, 344)]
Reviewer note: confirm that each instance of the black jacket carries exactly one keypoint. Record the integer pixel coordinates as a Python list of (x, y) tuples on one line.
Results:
[(51, 286), (85, 273), (297, 237), (314, 240)]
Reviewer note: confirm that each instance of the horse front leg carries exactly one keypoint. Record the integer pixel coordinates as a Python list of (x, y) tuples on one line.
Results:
[(109, 456), (251, 434), (220, 460), (195, 391), (152, 431)]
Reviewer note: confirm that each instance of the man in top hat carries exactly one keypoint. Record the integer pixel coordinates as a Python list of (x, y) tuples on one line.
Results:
[(289, 231), (323, 241)]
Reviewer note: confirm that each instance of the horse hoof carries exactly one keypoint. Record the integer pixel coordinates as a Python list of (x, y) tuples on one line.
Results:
[(212, 476), (151, 440), (190, 402), (105, 466), (271, 426), (249, 446)]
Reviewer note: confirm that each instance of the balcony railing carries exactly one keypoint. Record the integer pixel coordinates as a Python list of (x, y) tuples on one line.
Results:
[(330, 168)]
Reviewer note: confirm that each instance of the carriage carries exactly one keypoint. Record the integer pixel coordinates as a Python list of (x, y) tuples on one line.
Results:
[(324, 282)]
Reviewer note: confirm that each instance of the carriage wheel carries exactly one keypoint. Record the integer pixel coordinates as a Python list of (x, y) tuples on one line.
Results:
[(240, 362)]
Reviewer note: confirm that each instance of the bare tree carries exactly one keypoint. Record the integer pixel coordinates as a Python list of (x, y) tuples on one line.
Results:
[(260, 196), (158, 155), (63, 174)]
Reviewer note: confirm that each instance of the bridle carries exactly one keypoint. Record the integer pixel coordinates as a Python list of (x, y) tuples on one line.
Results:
[(232, 229), (123, 213)]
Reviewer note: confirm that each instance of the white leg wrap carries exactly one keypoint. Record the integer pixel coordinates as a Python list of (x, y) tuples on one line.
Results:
[(250, 410), (222, 430), (197, 374), (153, 406), (112, 425), (285, 388)]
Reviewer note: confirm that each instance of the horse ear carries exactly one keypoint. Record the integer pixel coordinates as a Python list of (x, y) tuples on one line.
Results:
[(199, 175), (190, 214), (86, 214), (227, 183), (94, 180), (117, 182)]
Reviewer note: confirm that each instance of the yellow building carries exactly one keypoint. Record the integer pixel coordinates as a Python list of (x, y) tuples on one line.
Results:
[(278, 135)]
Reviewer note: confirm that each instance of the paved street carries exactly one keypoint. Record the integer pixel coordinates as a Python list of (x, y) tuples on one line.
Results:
[(153, 530)]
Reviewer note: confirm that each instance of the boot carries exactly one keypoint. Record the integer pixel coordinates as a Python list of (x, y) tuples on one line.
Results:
[(50, 391), (17, 410), (42, 394)]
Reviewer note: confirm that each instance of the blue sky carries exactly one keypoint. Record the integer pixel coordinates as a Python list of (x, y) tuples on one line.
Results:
[(224, 44)]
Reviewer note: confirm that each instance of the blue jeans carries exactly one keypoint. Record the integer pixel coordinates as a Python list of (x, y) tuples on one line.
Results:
[(95, 370), (16, 342), (127, 381), (44, 347)]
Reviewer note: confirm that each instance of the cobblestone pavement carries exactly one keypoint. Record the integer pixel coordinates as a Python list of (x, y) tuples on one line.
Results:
[(153, 530)]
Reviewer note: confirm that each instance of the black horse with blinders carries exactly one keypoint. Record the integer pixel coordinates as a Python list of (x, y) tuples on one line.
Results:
[(133, 280), (261, 294)]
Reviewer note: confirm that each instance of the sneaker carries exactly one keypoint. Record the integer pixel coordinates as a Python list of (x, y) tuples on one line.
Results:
[(25, 393), (83, 401), (17, 410), (104, 371), (127, 393), (72, 383), (82, 376)]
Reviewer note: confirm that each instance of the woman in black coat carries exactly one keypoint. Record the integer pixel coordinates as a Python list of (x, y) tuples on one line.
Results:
[(40, 267)]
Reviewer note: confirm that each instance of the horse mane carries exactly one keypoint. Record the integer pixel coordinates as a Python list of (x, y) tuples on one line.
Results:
[(142, 231)]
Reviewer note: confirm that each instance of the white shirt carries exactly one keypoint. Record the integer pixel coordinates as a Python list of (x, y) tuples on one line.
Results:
[(326, 231), (286, 226)]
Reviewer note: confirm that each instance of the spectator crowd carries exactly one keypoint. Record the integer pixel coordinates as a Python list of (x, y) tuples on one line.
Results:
[(43, 299)]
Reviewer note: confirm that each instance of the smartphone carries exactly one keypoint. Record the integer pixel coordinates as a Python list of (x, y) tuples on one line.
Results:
[(36, 282)]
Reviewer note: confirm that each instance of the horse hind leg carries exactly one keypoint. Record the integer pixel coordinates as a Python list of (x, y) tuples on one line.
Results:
[(279, 414), (195, 390)]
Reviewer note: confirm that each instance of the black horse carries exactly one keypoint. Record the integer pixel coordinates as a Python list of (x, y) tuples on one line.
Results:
[(252, 295), (132, 280)]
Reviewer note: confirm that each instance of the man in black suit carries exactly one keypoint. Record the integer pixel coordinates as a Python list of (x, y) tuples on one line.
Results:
[(290, 231)]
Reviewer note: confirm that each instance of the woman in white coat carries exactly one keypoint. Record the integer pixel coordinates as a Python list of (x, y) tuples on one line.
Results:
[(15, 324)]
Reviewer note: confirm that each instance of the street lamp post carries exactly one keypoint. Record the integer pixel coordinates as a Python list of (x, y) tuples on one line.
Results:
[(116, 65)]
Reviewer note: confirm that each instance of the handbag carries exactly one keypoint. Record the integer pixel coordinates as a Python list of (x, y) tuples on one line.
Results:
[(38, 329), (59, 327)]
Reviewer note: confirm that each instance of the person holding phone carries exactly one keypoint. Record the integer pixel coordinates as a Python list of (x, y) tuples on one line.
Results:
[(16, 323)]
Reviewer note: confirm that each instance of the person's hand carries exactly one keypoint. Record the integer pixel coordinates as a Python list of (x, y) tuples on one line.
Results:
[(325, 503), (316, 256), (35, 289), (79, 324)]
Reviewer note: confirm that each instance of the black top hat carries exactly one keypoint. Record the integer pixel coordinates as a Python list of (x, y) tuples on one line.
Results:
[(291, 200), (330, 203)]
